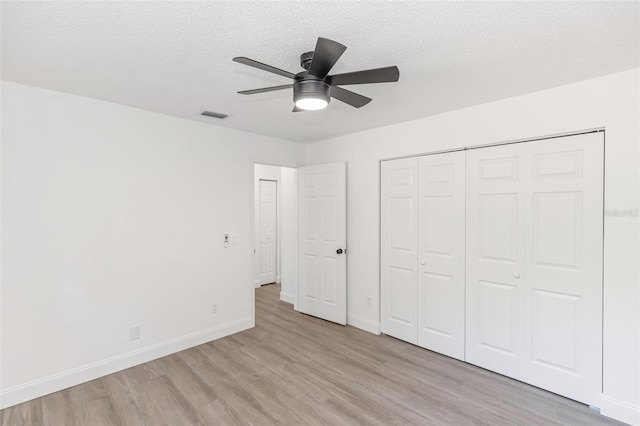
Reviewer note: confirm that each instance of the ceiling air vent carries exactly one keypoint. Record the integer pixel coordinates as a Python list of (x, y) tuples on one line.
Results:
[(214, 114)]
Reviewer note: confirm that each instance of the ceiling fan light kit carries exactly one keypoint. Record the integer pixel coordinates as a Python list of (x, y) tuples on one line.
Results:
[(311, 95), (314, 88)]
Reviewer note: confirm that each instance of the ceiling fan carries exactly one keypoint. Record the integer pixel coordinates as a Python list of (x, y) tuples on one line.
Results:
[(313, 88)]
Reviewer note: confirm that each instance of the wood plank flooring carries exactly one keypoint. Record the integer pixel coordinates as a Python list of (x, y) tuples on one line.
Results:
[(297, 370)]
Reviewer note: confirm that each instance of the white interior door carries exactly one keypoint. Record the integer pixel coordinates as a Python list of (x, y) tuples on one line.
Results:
[(267, 231), (399, 248), (322, 290), (441, 278), (534, 262)]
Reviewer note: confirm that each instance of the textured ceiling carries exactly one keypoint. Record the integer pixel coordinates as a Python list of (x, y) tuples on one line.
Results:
[(175, 57)]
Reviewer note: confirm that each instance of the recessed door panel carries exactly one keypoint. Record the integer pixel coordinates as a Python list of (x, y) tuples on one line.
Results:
[(401, 293), (310, 276), (437, 307), (555, 327), (555, 165), (330, 180), (557, 229), (401, 223), (309, 214), (310, 180), (496, 319), (403, 177), (498, 169), (437, 173), (329, 212), (330, 280), (498, 222), (438, 221)]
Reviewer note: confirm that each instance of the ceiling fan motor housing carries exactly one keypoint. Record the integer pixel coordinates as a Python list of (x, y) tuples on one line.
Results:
[(308, 86), (305, 60)]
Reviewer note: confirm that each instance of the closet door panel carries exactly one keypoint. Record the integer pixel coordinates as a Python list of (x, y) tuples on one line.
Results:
[(534, 263), (399, 248), (564, 228), (441, 253), (495, 290)]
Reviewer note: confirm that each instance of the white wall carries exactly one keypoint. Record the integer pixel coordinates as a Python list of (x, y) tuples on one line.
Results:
[(610, 102), (114, 217)]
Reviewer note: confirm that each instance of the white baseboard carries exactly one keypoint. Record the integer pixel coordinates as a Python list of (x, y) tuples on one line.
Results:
[(37, 388), (286, 297), (278, 279), (620, 410), (256, 283), (363, 323)]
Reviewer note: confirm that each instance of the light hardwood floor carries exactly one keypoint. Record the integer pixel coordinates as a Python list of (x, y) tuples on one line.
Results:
[(295, 369)]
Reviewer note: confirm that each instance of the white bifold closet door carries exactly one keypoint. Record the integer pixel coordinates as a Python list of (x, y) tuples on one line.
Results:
[(441, 278), (534, 263), (422, 256), (399, 248)]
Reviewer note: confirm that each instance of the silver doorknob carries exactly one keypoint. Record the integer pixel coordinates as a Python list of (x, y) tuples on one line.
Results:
[(516, 275), (339, 251)]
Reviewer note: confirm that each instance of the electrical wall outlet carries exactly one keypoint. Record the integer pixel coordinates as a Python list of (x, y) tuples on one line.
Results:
[(214, 308), (134, 332)]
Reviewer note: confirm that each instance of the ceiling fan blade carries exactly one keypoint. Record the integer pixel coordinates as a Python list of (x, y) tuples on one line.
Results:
[(261, 66), (349, 97), (265, 89), (377, 75), (325, 56)]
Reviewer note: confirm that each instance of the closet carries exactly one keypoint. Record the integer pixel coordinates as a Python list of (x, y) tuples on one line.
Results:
[(493, 256)]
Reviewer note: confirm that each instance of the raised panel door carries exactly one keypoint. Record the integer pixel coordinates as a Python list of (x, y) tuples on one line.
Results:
[(441, 276), (399, 248)]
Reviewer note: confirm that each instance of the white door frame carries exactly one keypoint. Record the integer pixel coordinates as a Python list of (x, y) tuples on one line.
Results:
[(251, 258)]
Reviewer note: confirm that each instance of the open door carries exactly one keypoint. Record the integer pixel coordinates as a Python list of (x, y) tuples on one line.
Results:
[(322, 283)]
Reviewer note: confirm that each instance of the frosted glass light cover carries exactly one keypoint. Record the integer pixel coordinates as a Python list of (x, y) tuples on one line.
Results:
[(311, 104)]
